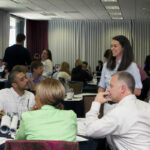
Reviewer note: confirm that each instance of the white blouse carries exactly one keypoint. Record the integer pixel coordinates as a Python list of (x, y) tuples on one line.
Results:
[(48, 68)]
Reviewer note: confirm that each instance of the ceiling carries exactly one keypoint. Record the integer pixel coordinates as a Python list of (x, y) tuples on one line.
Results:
[(75, 9)]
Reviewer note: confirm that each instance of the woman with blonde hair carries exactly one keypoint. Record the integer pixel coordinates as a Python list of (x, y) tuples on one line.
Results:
[(64, 71), (49, 121)]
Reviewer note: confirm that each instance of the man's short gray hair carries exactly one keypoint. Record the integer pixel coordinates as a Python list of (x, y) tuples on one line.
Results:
[(127, 78)]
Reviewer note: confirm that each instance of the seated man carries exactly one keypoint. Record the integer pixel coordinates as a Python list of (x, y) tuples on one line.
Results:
[(36, 73), (78, 74), (87, 68), (127, 126), (16, 99)]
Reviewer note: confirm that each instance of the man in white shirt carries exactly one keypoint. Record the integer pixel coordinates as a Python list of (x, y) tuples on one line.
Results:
[(128, 124), (16, 99)]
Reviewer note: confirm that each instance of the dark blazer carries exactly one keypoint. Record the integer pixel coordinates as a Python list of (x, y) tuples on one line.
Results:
[(80, 75)]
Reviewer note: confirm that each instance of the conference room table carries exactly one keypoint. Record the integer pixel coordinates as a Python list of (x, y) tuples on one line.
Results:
[(85, 143)]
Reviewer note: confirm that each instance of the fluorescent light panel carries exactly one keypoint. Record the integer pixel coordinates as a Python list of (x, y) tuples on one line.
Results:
[(117, 18), (112, 7), (109, 0), (115, 13)]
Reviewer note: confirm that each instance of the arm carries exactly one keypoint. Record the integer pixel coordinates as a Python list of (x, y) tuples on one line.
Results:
[(20, 135), (137, 92), (134, 70), (100, 89), (28, 57), (95, 127), (1, 113)]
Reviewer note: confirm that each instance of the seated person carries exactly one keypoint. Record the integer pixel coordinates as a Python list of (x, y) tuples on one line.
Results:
[(87, 68), (48, 121), (2, 66), (78, 74), (127, 125), (64, 71), (16, 99), (36, 57), (99, 68), (36, 73), (5, 73), (22, 68)]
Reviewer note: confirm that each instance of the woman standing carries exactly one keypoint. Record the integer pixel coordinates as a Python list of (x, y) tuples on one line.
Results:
[(121, 60), (47, 63)]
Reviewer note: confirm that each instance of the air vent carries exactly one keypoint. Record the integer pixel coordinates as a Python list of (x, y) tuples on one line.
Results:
[(47, 14), (71, 12)]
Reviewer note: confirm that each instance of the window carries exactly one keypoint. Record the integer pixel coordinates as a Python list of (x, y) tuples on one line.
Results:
[(13, 30)]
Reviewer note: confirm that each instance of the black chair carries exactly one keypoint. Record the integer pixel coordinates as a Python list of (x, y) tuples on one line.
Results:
[(76, 86)]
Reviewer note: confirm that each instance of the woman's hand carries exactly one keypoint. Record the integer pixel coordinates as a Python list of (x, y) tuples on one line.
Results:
[(1, 113)]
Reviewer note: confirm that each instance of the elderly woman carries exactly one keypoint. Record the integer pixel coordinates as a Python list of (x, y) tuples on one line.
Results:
[(48, 121)]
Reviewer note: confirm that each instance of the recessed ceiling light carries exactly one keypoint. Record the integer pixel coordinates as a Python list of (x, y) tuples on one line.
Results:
[(109, 0), (112, 7), (47, 14), (115, 13), (117, 18)]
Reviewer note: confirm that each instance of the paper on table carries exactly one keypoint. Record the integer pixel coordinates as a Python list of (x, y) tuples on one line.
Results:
[(14, 123), (5, 124), (3, 140), (80, 139)]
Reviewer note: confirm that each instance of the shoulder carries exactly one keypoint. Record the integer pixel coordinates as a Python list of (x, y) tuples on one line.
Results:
[(63, 73), (5, 91), (27, 93), (68, 113), (48, 61), (133, 66)]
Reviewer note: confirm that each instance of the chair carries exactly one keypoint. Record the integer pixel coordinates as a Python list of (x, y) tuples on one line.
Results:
[(88, 99), (148, 96), (76, 86), (40, 145)]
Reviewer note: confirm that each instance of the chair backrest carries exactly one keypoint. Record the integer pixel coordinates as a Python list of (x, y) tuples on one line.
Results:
[(88, 99), (40, 145), (148, 96), (76, 86)]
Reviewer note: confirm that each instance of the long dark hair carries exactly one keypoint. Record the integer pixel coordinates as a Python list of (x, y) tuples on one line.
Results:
[(127, 57), (49, 54)]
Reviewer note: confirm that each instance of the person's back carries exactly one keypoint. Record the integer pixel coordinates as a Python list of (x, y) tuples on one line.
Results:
[(127, 125), (80, 75), (17, 54), (49, 123), (133, 124)]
